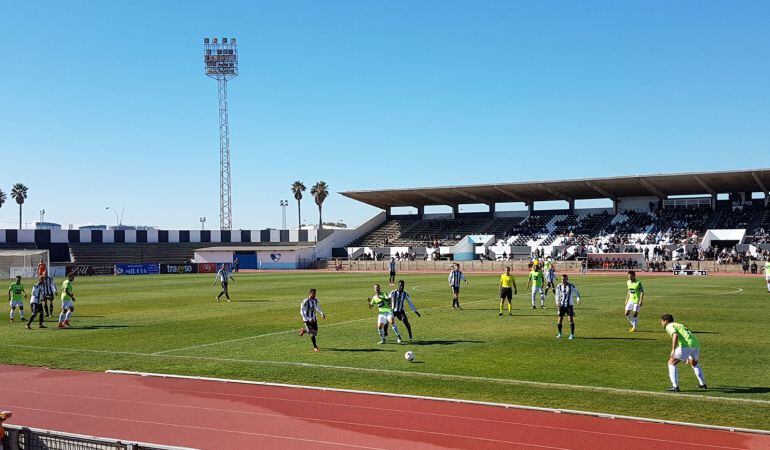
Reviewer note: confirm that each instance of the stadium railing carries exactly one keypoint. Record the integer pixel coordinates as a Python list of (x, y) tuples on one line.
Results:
[(24, 438)]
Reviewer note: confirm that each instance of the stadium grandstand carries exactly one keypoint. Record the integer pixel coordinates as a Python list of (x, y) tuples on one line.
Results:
[(665, 215), (693, 216)]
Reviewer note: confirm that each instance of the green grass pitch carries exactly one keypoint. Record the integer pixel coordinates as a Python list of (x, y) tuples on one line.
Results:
[(171, 324)]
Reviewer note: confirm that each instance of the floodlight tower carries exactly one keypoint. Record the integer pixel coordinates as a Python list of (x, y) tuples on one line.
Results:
[(220, 58)]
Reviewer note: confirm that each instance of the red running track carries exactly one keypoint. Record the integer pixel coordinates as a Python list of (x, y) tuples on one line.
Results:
[(217, 415)]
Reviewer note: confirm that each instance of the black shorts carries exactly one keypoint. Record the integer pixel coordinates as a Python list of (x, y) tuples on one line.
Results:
[(392, 274), (48, 298), (311, 327), (37, 308), (456, 289), (568, 310), (400, 315), (506, 293), (224, 285)]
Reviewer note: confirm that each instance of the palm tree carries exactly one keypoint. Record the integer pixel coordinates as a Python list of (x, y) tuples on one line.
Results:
[(2, 198), (19, 193), (297, 188), (320, 191)]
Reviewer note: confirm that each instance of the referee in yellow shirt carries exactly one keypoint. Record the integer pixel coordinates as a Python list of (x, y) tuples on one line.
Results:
[(507, 290)]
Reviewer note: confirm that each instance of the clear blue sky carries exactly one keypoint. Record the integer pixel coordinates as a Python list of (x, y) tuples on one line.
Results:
[(112, 98)]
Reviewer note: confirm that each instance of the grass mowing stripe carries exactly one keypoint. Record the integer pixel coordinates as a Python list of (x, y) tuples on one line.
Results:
[(425, 374), (293, 330)]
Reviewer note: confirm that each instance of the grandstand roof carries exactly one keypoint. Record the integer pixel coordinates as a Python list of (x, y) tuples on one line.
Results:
[(254, 248), (661, 185)]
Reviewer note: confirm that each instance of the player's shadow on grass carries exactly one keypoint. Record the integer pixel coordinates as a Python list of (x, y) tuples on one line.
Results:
[(357, 350), (617, 338), (252, 301), (741, 389), (444, 342), (100, 327)]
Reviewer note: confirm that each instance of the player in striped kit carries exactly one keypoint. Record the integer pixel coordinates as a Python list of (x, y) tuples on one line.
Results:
[(566, 294), (48, 290), (224, 276), (308, 309), (397, 298), (36, 300), (455, 277)]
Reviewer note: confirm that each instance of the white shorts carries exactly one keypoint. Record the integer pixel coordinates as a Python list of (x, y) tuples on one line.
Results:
[(536, 290), (15, 303), (384, 318), (631, 306), (67, 304), (767, 278), (683, 354)]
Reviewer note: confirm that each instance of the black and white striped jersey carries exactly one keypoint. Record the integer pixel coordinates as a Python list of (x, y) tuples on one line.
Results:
[(397, 299), (308, 308), (565, 293)]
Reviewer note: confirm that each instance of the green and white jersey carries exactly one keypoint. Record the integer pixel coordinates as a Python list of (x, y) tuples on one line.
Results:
[(687, 338), (536, 278), (382, 302), (66, 290), (635, 290), (16, 290)]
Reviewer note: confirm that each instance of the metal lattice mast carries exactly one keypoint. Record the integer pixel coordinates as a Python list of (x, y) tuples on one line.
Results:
[(221, 64)]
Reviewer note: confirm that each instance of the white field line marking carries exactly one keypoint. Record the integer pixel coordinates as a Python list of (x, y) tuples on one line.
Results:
[(293, 330), (401, 411), (327, 421), (422, 374), (421, 397), (197, 427)]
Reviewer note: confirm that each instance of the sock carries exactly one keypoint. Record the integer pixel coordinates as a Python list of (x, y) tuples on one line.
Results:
[(61, 317), (699, 374), (382, 333), (673, 375), (768, 286), (533, 299), (558, 326), (21, 313), (542, 299), (501, 307), (628, 319), (572, 328), (11, 314), (67, 316), (634, 321), (509, 308), (395, 328), (312, 338)]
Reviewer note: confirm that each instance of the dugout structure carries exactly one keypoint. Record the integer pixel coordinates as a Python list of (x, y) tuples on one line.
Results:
[(22, 262)]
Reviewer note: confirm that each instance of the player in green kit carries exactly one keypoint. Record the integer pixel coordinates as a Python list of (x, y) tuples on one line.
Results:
[(634, 299), (535, 281), (67, 301), (385, 313), (16, 296), (684, 347)]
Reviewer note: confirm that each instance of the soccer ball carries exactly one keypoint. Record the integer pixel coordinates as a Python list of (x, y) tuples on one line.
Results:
[(409, 356)]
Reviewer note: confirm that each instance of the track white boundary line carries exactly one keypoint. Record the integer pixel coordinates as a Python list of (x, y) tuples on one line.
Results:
[(448, 400), (293, 330), (446, 376), (197, 427)]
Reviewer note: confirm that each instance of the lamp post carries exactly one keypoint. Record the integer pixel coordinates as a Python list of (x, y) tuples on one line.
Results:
[(117, 218), (203, 223), (284, 204)]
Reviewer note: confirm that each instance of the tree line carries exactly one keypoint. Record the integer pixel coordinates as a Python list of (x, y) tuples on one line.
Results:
[(19, 193)]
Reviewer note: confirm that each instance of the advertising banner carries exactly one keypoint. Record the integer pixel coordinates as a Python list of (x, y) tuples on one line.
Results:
[(137, 269), (207, 268), (89, 270), (178, 268)]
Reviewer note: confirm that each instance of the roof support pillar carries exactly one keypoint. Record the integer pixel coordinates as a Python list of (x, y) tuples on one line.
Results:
[(531, 208), (571, 203), (455, 211), (491, 209), (421, 211)]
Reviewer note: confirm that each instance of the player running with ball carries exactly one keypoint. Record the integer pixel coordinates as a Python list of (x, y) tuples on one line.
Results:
[(307, 309), (385, 315), (634, 299), (684, 347)]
